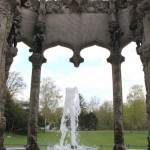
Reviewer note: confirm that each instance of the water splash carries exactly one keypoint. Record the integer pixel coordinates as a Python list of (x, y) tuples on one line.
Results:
[(69, 122)]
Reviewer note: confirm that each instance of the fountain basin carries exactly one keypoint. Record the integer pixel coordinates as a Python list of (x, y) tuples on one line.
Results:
[(56, 147)]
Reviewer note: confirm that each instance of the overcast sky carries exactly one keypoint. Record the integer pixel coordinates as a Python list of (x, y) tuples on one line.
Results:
[(93, 77)]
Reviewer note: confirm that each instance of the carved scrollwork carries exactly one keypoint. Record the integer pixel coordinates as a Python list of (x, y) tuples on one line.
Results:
[(96, 6), (144, 7), (121, 3), (3, 8), (77, 6), (90, 7), (25, 3), (35, 5), (42, 9), (54, 7)]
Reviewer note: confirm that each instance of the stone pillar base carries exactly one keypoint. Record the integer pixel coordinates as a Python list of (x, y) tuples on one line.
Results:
[(119, 147)]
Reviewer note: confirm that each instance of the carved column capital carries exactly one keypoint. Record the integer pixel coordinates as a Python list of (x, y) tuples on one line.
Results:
[(37, 59), (115, 58)]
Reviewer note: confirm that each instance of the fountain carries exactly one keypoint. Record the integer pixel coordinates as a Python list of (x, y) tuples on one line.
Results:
[(69, 122)]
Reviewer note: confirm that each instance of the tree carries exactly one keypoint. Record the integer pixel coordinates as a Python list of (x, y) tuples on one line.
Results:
[(17, 118), (83, 104), (93, 105), (57, 116), (134, 108), (92, 121), (88, 121), (135, 93), (15, 83), (105, 115), (15, 114), (49, 97)]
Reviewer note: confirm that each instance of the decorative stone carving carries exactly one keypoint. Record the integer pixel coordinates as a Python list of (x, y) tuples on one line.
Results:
[(14, 32), (137, 28), (35, 5), (96, 7), (144, 7), (54, 7), (3, 8), (11, 53), (115, 35), (115, 58), (42, 9), (38, 38), (25, 3), (121, 3), (144, 52), (136, 24), (76, 59), (77, 6)]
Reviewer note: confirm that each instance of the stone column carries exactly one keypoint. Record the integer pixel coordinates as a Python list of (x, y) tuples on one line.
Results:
[(116, 59), (144, 52), (5, 16), (37, 60)]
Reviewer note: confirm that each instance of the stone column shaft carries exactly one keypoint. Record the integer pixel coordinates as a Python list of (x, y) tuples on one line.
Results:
[(4, 27), (144, 52), (116, 60), (37, 60)]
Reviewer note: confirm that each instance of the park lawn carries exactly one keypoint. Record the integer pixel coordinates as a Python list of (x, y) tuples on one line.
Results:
[(103, 139)]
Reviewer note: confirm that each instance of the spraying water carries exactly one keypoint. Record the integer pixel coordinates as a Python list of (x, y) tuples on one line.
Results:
[(69, 122)]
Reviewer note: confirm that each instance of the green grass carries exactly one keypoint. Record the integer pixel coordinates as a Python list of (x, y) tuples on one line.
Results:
[(105, 138)]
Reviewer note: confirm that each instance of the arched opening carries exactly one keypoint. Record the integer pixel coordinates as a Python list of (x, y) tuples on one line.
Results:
[(93, 77), (22, 65), (132, 69), (89, 76), (134, 107)]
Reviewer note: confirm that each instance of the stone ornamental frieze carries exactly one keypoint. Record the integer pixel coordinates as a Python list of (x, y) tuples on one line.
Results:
[(75, 24)]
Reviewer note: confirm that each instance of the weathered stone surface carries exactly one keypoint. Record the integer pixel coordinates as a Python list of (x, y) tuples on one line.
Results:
[(116, 60), (37, 60), (76, 24)]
